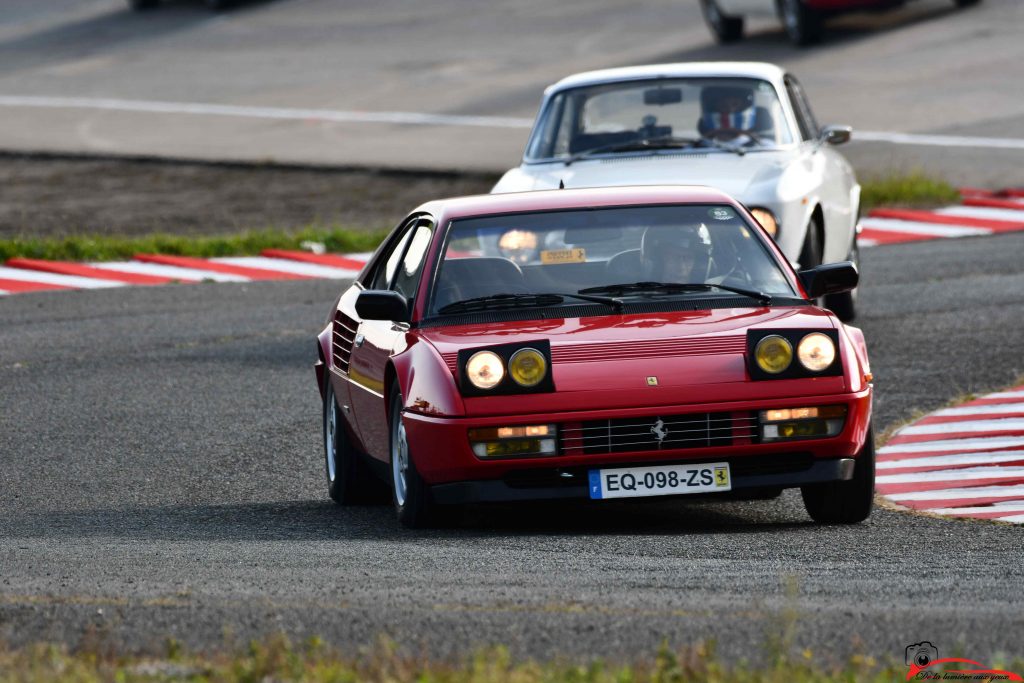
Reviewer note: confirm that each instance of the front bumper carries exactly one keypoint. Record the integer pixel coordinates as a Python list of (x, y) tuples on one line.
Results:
[(443, 456), (572, 482)]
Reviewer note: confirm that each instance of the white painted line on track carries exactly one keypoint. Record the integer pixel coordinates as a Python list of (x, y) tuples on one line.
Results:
[(175, 272), (418, 118), (987, 426), (993, 409), (938, 140), (284, 266), (1006, 394), (961, 493), (922, 228), (337, 116), (993, 472), (72, 281), (986, 212), (1016, 519), (4, 292), (984, 458), (994, 507), (863, 242), (981, 444)]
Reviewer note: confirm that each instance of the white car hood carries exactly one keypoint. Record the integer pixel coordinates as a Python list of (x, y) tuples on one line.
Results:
[(739, 176)]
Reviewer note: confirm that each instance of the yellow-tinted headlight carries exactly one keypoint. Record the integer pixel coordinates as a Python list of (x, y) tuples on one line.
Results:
[(527, 367), (767, 220), (816, 352), (773, 354), (485, 369)]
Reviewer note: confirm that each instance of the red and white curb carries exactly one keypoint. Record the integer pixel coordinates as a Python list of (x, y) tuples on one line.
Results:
[(966, 461), (981, 212), (33, 275)]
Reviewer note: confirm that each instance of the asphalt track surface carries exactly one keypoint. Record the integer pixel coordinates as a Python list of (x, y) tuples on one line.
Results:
[(162, 477), (926, 68)]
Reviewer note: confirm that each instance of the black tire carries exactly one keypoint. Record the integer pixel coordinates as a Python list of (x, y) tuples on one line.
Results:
[(414, 506), (140, 5), (217, 5), (803, 25), (965, 3), (351, 482), (845, 305), (726, 28), (845, 502)]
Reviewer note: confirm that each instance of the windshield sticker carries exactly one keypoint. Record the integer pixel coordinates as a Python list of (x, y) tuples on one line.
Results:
[(552, 256), (720, 214)]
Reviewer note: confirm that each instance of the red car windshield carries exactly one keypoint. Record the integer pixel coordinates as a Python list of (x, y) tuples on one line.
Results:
[(580, 251)]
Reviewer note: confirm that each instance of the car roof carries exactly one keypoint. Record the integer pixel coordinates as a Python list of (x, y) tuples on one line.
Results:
[(761, 70), (445, 210)]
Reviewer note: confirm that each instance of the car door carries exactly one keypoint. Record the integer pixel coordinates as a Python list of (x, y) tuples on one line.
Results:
[(834, 177), (377, 340)]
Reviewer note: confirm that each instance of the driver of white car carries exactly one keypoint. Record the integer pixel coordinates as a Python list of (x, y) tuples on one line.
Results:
[(729, 111)]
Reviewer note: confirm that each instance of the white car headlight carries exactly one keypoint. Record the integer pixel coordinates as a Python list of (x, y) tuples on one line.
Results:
[(485, 369), (816, 352)]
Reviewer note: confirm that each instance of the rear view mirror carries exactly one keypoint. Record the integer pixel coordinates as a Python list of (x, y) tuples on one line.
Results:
[(836, 135), (382, 304), (662, 96), (831, 278)]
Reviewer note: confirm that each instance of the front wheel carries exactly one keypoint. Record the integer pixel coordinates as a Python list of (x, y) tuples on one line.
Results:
[(965, 3), (803, 24), (726, 28), (845, 502), (414, 506)]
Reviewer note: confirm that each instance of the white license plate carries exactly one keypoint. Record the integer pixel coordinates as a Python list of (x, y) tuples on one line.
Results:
[(662, 480)]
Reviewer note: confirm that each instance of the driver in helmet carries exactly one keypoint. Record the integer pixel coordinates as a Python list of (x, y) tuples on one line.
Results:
[(674, 254), (727, 111)]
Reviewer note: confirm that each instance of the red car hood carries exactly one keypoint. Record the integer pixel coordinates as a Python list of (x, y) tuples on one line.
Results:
[(605, 361)]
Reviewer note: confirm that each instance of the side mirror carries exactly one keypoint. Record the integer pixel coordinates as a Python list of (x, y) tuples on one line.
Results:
[(836, 135), (831, 278), (382, 304)]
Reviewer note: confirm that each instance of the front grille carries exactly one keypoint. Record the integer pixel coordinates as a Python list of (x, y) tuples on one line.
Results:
[(658, 433)]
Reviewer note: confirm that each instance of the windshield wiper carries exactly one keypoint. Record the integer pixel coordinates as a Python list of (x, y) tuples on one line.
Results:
[(673, 287), (664, 142), (711, 142), (506, 300)]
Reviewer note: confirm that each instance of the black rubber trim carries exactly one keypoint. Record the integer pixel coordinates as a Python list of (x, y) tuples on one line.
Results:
[(595, 310), (496, 491)]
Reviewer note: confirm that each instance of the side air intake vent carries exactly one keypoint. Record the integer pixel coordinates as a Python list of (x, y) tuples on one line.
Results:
[(343, 338)]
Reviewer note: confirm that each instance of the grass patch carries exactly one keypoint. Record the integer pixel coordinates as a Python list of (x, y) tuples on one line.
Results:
[(914, 189), (112, 248), (276, 659)]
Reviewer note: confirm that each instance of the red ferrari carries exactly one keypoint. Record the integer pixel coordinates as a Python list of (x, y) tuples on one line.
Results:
[(594, 344)]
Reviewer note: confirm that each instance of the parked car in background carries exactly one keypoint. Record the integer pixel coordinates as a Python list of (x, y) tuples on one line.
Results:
[(802, 19), (593, 344), (743, 127)]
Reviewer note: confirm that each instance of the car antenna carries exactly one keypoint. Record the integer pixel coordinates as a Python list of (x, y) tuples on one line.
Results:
[(561, 184)]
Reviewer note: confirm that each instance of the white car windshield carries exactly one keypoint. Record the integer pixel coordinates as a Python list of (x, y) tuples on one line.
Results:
[(630, 253), (713, 113)]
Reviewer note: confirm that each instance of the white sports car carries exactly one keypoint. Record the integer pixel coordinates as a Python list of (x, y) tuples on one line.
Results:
[(743, 127)]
